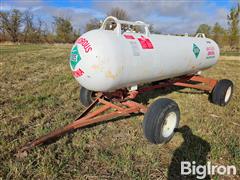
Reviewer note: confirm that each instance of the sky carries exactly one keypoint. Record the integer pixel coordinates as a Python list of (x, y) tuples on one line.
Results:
[(168, 17)]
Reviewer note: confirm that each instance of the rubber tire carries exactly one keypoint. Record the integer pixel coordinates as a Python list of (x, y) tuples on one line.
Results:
[(86, 97), (218, 94), (155, 117)]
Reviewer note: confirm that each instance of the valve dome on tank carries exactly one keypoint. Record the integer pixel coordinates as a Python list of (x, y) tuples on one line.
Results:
[(125, 54)]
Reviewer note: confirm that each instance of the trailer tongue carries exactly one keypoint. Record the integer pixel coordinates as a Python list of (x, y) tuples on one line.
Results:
[(119, 104)]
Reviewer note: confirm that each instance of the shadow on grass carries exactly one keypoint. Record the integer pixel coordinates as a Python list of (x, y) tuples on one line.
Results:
[(192, 149), (144, 98)]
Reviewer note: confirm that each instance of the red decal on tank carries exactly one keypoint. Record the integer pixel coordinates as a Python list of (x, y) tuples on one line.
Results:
[(129, 36), (145, 43), (210, 52), (85, 44), (78, 73)]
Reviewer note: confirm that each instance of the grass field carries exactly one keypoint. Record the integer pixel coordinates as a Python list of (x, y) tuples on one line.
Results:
[(39, 94)]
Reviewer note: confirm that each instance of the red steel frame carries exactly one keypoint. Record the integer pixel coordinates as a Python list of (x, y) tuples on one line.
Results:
[(123, 106)]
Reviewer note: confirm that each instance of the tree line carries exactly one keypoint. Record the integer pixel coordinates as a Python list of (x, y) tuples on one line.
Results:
[(225, 37), (17, 26)]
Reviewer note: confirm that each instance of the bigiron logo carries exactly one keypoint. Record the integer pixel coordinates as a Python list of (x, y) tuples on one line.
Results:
[(202, 171)]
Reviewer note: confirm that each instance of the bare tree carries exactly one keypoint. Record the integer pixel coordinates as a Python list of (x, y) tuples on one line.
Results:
[(218, 34), (204, 28), (2, 30), (92, 24), (76, 33), (153, 30), (11, 23), (29, 29), (38, 30), (118, 13), (64, 29)]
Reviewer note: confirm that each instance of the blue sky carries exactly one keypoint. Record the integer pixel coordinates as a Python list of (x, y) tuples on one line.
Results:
[(166, 16)]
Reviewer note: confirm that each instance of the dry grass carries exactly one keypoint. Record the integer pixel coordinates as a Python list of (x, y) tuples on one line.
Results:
[(38, 94), (229, 58)]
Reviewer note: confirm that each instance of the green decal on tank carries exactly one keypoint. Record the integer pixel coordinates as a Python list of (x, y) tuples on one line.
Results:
[(196, 50), (75, 57)]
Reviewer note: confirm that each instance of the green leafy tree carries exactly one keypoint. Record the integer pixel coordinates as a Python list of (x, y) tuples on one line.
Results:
[(11, 23), (204, 28), (64, 29), (233, 22)]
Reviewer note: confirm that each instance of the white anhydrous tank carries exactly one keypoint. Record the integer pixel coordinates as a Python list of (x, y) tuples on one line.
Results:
[(106, 60)]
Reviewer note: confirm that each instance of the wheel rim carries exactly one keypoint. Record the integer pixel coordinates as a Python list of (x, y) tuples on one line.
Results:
[(169, 124), (228, 94), (93, 96)]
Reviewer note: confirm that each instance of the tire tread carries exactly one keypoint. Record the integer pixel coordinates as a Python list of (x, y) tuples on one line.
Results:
[(154, 118)]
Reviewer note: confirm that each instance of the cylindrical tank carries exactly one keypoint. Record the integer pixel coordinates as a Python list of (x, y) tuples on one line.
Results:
[(117, 56)]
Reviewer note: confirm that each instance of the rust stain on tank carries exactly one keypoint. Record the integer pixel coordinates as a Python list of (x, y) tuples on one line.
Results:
[(99, 66), (111, 75), (95, 67)]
